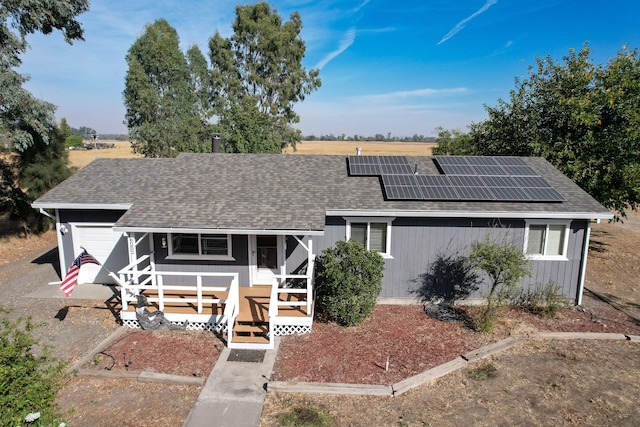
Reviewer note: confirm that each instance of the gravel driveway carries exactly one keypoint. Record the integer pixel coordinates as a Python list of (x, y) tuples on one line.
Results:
[(71, 326)]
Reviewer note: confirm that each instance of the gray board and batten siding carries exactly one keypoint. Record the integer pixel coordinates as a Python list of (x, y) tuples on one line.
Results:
[(307, 195), (417, 243)]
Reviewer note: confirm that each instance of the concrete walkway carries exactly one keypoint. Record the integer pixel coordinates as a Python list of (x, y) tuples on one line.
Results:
[(234, 392)]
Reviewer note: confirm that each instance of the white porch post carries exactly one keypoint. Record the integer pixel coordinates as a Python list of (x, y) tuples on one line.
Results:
[(283, 254), (152, 258), (63, 265), (131, 242), (309, 274)]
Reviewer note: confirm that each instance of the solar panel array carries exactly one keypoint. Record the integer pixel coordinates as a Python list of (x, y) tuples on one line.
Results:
[(379, 165), (465, 178)]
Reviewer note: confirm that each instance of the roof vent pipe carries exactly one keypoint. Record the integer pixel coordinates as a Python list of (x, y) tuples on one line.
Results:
[(215, 143), (358, 151), (415, 170)]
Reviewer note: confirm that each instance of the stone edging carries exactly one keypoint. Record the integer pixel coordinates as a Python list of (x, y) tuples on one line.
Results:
[(439, 371), (142, 376)]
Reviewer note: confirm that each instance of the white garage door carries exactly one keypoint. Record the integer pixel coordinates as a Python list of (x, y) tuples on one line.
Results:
[(107, 246)]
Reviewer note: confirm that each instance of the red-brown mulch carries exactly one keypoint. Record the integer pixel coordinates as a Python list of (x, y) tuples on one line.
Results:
[(411, 340), (415, 342), (187, 353)]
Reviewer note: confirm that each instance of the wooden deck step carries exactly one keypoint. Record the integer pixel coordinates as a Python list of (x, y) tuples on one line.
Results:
[(251, 339), (252, 328)]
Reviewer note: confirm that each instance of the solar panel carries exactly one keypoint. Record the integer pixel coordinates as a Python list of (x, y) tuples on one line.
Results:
[(439, 193), (509, 161), (509, 194), (548, 194), (364, 169), (500, 181), (451, 160), (466, 181), (378, 165), (362, 160), (403, 192), (395, 168), (521, 171), (433, 180), (481, 160), (474, 193), (458, 169), (392, 160), (506, 179), (490, 170), (399, 180), (531, 181)]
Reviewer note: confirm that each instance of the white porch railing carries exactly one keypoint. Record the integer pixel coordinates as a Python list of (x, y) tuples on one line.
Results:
[(276, 290), (232, 309), (132, 279)]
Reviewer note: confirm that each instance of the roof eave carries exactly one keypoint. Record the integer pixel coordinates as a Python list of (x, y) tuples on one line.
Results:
[(137, 229), (85, 206), (471, 214)]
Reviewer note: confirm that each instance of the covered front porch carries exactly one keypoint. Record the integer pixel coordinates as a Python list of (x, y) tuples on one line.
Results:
[(247, 315)]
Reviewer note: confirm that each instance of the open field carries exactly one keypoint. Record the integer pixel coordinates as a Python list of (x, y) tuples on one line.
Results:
[(81, 158), (122, 149), (369, 148)]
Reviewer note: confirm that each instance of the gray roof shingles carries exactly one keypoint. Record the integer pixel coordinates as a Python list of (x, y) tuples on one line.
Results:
[(266, 191)]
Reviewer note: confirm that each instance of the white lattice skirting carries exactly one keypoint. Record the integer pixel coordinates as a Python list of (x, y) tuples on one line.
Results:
[(280, 330), (192, 326)]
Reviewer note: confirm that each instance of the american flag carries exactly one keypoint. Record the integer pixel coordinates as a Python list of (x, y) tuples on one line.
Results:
[(71, 278)]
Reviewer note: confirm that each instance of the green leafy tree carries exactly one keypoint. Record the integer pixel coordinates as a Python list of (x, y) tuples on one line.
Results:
[(451, 142), (200, 79), (582, 117), (12, 198), (348, 282), (257, 77), (22, 116), (41, 167), (162, 108), (28, 122)]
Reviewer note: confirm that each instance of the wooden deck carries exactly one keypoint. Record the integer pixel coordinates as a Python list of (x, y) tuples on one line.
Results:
[(254, 304)]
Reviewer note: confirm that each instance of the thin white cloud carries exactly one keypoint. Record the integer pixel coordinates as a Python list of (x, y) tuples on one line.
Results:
[(460, 25), (363, 4), (423, 93), (347, 40)]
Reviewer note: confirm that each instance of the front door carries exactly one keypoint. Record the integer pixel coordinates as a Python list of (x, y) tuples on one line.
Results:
[(265, 258)]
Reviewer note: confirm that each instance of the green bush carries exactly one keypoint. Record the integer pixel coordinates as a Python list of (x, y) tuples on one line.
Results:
[(484, 322), (543, 300), (504, 263), (348, 282), (28, 383)]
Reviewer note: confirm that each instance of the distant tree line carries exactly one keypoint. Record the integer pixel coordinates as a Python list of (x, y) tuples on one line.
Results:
[(376, 137)]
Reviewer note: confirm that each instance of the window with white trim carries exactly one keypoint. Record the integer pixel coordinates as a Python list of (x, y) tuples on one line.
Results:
[(373, 233), (546, 240), (206, 246)]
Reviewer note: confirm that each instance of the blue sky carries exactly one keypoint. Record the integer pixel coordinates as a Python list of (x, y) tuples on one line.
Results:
[(387, 66)]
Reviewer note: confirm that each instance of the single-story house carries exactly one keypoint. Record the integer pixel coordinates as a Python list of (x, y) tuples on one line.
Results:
[(228, 241)]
